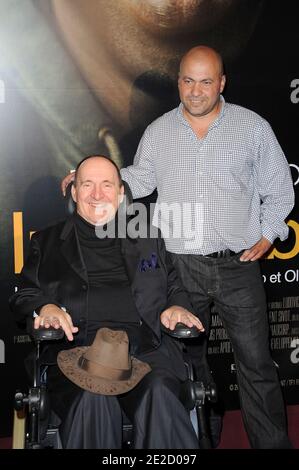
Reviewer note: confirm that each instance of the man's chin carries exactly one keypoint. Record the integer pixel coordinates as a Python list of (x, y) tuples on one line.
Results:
[(195, 111), (100, 221), (97, 220)]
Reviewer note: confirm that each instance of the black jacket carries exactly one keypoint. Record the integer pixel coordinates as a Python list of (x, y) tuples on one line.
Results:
[(55, 273)]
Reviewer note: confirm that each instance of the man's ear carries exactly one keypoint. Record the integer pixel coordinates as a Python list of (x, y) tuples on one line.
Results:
[(74, 193), (223, 82), (121, 194)]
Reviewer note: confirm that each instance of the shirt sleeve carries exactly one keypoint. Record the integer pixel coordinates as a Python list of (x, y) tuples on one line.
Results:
[(141, 176), (275, 185)]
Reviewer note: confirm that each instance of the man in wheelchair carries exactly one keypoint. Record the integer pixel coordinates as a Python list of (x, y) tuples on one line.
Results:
[(109, 290)]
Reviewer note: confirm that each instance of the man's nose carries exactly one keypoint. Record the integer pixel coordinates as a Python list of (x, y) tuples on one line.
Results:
[(196, 89), (97, 192)]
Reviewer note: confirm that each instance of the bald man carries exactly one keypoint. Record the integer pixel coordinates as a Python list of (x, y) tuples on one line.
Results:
[(222, 165), (80, 281)]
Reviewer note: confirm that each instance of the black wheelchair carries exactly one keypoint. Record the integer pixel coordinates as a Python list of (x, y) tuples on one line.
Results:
[(37, 427)]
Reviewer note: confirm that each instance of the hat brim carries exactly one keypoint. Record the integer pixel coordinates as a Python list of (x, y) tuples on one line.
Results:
[(68, 363)]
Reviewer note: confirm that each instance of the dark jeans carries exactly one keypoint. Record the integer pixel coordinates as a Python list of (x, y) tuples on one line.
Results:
[(237, 291)]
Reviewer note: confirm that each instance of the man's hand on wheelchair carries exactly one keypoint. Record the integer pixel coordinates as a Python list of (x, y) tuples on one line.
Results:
[(175, 314), (68, 179), (52, 316)]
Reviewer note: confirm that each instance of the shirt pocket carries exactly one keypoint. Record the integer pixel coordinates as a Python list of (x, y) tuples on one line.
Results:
[(230, 174)]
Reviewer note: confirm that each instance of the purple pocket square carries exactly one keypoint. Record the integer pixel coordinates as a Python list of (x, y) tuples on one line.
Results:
[(149, 264)]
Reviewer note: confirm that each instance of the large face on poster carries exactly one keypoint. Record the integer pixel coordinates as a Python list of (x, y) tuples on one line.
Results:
[(79, 77), (91, 69), (127, 50)]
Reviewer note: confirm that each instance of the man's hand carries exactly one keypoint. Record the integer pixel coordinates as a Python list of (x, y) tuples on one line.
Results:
[(51, 315), (66, 181), (175, 314), (257, 251)]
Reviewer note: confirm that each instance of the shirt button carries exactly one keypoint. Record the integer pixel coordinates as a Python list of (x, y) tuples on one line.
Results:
[(84, 286)]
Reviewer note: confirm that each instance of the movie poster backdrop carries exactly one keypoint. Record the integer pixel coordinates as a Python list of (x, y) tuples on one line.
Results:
[(80, 77)]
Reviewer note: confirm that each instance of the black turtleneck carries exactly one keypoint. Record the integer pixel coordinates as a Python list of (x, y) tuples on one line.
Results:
[(110, 298)]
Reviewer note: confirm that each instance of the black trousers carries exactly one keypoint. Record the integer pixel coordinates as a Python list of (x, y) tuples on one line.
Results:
[(236, 289), (160, 421)]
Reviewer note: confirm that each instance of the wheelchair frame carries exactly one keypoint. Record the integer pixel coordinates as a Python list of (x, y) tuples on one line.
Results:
[(32, 409)]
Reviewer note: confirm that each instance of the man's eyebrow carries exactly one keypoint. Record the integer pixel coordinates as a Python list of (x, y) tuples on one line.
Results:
[(184, 77), (86, 181), (91, 181), (108, 181)]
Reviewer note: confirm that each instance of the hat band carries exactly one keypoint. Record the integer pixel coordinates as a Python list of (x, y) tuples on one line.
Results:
[(99, 370)]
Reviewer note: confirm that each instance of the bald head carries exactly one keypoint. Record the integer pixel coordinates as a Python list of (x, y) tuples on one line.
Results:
[(201, 54), (93, 159), (201, 81)]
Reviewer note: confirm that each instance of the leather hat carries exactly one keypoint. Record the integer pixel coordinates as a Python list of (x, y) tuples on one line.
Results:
[(105, 367)]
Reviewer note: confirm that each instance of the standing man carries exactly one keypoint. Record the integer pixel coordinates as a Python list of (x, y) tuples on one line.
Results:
[(223, 164)]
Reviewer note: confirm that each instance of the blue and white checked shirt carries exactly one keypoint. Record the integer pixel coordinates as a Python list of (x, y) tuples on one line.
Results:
[(236, 180)]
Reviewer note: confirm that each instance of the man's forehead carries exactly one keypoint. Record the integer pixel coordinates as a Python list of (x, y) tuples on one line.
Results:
[(200, 70), (97, 169)]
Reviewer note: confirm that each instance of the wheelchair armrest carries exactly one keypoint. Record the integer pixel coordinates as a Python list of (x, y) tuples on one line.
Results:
[(181, 331), (43, 334)]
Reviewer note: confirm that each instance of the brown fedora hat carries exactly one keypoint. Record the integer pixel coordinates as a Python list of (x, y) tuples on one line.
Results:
[(105, 367)]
